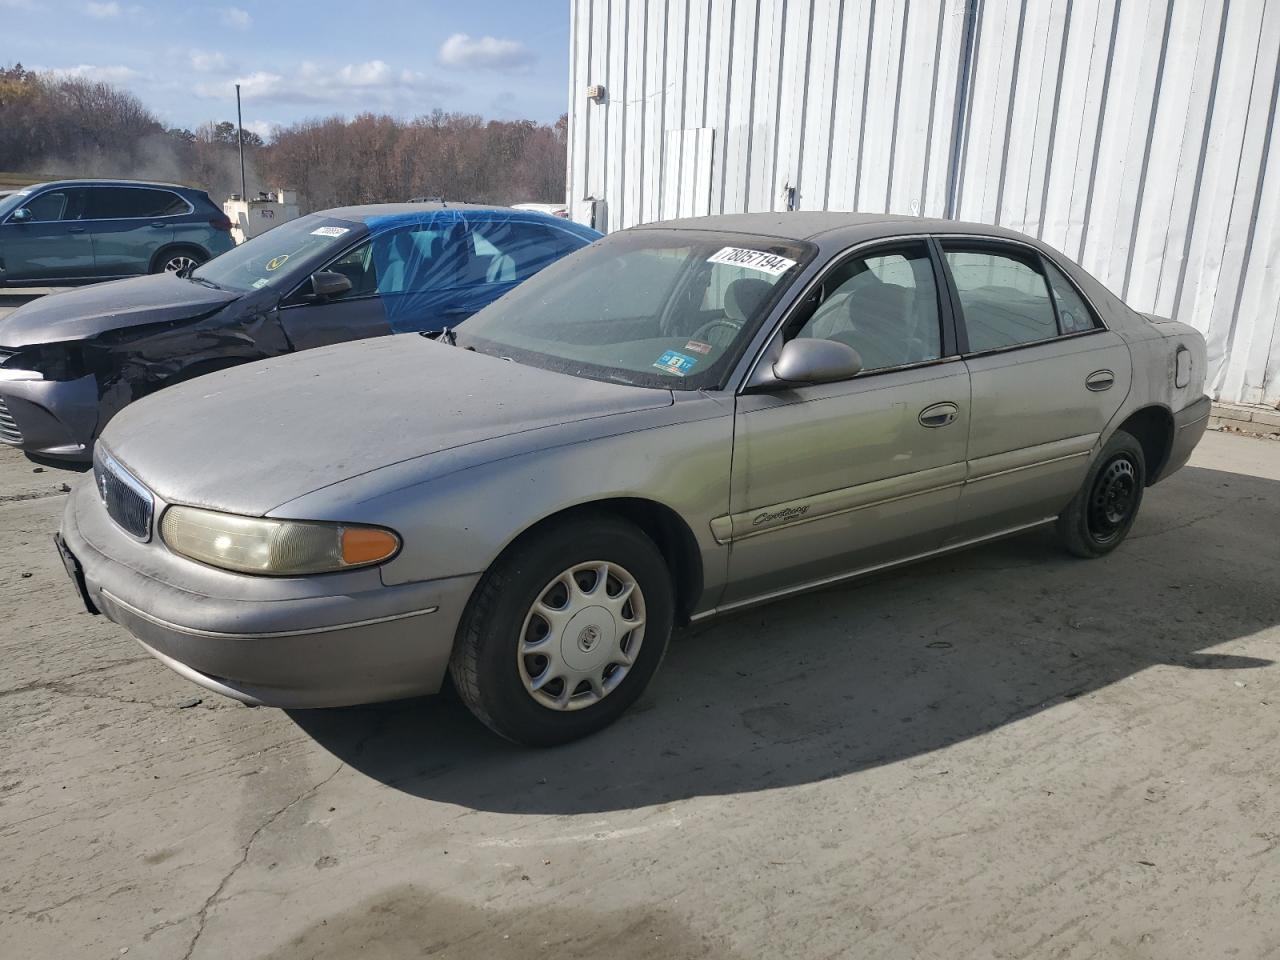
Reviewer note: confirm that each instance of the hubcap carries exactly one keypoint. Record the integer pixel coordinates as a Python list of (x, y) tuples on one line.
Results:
[(581, 636), (179, 263), (1111, 503)]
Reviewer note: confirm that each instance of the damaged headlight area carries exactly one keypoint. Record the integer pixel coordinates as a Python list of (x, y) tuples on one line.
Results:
[(269, 547), (53, 361)]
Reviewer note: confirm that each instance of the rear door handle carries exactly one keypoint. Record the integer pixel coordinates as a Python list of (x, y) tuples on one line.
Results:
[(159, 226), (1100, 380), (75, 229), (939, 414)]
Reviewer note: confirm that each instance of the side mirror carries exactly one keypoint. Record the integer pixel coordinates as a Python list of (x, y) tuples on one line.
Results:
[(327, 283), (808, 361), (21, 215)]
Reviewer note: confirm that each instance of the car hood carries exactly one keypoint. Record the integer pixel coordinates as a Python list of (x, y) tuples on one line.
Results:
[(249, 439), (88, 311)]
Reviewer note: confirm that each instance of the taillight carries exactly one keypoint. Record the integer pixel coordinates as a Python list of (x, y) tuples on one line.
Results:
[(221, 222)]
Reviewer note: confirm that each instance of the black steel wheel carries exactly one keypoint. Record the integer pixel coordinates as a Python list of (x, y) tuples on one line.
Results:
[(1101, 514)]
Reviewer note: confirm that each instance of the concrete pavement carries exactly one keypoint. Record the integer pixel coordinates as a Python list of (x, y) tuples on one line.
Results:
[(1004, 753)]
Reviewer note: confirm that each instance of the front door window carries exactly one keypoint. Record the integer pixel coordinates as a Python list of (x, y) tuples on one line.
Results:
[(884, 305)]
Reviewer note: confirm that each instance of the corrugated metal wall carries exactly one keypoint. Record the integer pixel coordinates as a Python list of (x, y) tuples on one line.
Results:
[(1137, 136)]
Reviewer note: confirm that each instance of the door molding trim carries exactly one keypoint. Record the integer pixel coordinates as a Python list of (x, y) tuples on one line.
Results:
[(1028, 458), (822, 506), (865, 571)]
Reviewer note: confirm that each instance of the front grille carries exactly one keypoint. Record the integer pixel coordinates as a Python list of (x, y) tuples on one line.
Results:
[(9, 431), (128, 502)]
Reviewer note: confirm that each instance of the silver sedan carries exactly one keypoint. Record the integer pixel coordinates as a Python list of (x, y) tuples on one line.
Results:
[(681, 420)]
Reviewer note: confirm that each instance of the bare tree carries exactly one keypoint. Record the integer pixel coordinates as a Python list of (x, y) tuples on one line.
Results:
[(67, 126)]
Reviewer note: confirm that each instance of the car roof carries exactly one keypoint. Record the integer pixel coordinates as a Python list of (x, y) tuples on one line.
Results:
[(412, 212), (103, 182), (831, 226)]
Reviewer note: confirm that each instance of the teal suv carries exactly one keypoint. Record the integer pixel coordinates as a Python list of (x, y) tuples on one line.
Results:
[(81, 231)]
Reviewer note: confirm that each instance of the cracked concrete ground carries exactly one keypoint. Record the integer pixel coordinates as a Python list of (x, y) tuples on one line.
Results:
[(1007, 753)]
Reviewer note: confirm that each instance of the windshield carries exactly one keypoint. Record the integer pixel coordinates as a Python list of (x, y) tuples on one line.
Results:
[(662, 308), (275, 258)]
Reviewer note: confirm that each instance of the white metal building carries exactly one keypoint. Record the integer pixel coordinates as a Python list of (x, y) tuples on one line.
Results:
[(1137, 136)]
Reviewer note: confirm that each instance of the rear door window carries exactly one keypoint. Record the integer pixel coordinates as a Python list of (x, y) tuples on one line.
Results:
[(129, 203), (1003, 296), (1074, 315)]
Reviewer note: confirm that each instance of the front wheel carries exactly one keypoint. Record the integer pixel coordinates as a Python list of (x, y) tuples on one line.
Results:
[(1104, 509), (565, 631)]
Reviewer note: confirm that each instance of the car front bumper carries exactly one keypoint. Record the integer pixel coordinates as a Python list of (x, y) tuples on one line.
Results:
[(50, 418), (321, 641)]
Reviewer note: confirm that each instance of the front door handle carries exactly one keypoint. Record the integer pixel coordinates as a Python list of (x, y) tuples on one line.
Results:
[(75, 229), (1100, 380), (939, 415), (159, 226)]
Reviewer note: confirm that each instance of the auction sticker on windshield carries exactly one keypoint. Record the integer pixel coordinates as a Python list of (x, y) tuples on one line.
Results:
[(278, 262), (329, 231), (676, 363), (769, 263)]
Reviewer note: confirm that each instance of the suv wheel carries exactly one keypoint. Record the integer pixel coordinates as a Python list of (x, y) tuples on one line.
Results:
[(178, 260)]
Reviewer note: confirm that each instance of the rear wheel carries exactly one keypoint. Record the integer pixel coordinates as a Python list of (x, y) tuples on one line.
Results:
[(179, 260), (564, 631), (1104, 509)]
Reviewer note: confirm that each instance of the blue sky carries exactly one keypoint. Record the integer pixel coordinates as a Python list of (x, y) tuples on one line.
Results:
[(504, 59)]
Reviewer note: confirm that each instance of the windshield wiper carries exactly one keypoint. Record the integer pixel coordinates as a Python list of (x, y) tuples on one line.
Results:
[(443, 335), (203, 281)]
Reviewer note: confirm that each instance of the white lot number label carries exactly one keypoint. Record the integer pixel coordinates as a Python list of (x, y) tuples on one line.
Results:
[(769, 263)]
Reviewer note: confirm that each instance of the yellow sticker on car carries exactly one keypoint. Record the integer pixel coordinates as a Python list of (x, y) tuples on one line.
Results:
[(278, 262)]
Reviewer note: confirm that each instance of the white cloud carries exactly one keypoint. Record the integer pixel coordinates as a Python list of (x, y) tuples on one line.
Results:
[(263, 128), (208, 61), (374, 84), (104, 74), (236, 17), (102, 11), (487, 53)]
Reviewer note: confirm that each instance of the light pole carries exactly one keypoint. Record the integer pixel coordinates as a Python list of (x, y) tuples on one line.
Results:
[(244, 189)]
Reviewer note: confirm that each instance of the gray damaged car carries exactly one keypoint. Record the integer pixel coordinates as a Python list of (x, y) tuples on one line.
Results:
[(681, 420)]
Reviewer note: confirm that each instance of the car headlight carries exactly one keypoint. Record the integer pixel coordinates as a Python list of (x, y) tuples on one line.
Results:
[(282, 548)]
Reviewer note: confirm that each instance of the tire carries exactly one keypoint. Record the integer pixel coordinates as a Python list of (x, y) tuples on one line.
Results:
[(170, 259), (580, 649), (1102, 512)]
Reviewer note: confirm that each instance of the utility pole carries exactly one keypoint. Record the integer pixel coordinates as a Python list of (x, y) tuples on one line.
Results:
[(244, 188)]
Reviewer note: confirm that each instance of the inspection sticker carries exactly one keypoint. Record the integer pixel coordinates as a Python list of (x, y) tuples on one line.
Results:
[(697, 346), (260, 283), (329, 231), (769, 263), (676, 363)]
